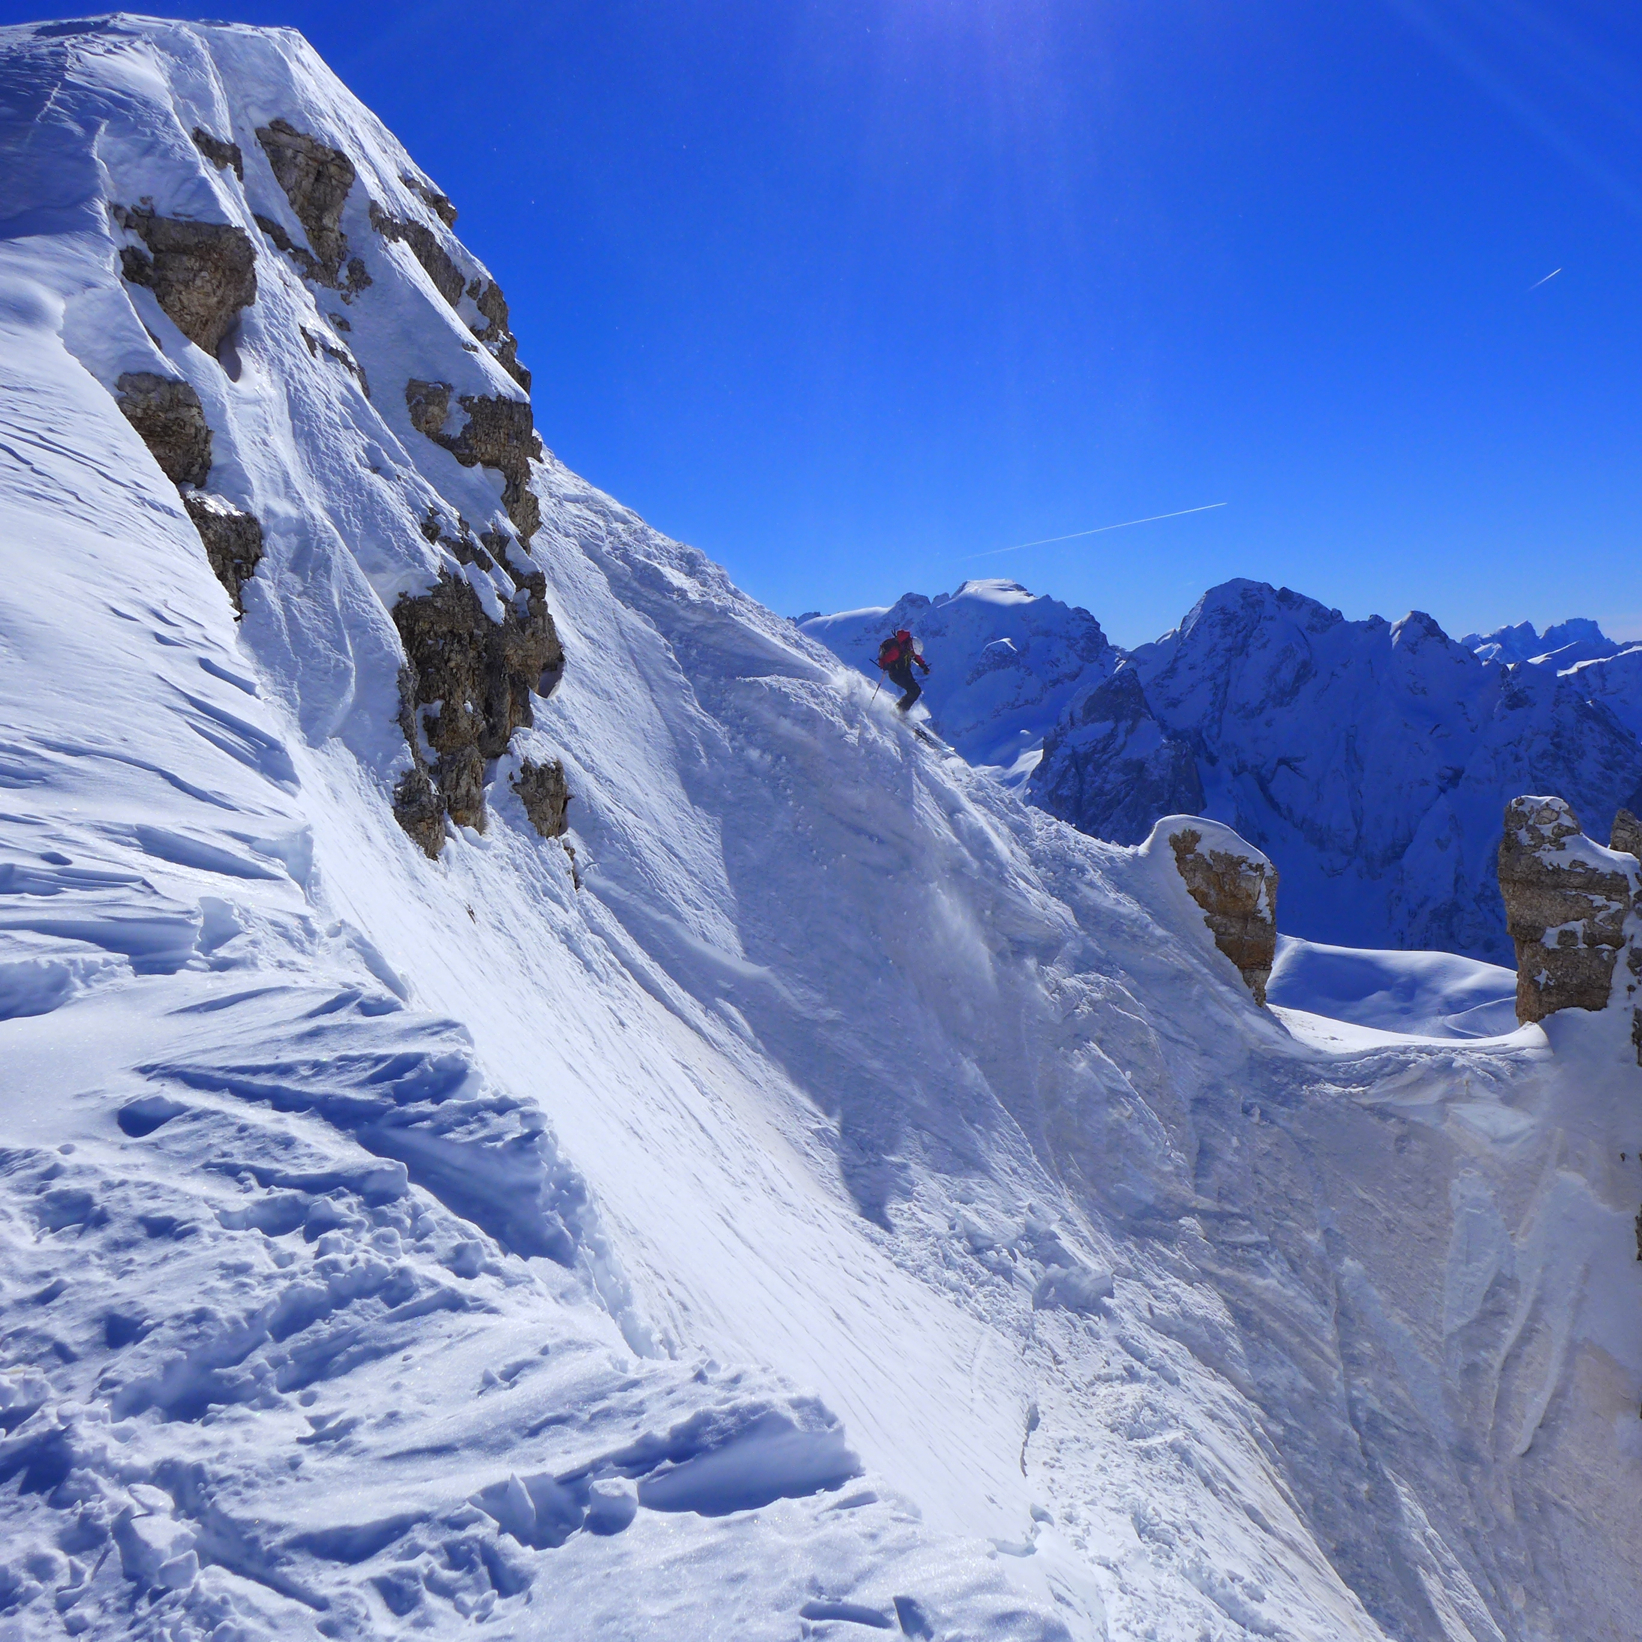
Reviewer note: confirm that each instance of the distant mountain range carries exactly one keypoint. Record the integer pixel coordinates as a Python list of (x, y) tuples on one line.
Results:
[(1372, 760)]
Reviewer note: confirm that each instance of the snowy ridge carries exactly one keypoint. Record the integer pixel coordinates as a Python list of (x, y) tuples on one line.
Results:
[(864, 1204)]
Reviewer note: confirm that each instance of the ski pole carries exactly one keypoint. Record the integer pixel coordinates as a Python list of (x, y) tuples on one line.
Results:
[(875, 689)]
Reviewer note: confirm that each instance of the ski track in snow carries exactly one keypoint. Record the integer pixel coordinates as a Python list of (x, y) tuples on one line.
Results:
[(865, 1205)]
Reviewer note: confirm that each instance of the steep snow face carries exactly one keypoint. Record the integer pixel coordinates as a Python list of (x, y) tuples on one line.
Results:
[(1372, 761), (1005, 663), (1614, 682), (860, 1203)]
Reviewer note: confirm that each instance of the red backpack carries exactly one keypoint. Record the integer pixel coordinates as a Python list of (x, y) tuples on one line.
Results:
[(893, 651)]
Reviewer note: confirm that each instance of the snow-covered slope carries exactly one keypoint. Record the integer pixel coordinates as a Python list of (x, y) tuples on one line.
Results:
[(1005, 663), (1614, 682), (1433, 994), (860, 1205), (1371, 760)]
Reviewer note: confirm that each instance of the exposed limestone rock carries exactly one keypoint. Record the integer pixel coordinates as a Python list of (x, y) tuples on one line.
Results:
[(439, 204), (347, 284), (318, 345), (317, 181), (463, 544), (168, 415), (1626, 835), (1566, 902), (233, 540), (1237, 890), (429, 407), (417, 806), (467, 688), (220, 153), (543, 791), (425, 247), (496, 333), (499, 433), (201, 273)]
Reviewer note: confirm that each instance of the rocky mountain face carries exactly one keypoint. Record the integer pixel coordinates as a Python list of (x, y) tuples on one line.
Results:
[(1006, 662), (1109, 766), (1561, 645), (287, 236), (1371, 760)]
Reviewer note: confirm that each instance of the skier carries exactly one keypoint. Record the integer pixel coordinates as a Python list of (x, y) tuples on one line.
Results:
[(896, 656)]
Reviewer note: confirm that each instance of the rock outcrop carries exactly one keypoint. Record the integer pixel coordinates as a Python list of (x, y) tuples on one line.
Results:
[(1627, 834), (543, 791), (1235, 885), (167, 413), (499, 434), (317, 180), (438, 203), (1111, 769), (233, 540), (496, 332), (201, 273), (221, 154), (425, 247), (493, 327), (466, 688), (1567, 901)]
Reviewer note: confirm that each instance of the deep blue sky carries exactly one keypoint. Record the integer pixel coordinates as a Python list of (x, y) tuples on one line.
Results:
[(843, 292)]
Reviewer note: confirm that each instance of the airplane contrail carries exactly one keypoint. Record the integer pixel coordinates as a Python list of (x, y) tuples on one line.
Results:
[(1152, 519), (1538, 282)]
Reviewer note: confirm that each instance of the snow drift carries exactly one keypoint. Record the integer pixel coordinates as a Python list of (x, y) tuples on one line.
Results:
[(837, 1199)]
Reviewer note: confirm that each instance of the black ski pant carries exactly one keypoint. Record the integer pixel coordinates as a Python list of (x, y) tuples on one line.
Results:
[(901, 674)]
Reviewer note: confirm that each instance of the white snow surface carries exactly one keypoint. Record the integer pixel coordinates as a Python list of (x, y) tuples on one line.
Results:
[(1430, 994), (864, 1206)]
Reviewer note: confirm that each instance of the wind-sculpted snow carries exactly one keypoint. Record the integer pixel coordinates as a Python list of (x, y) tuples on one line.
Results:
[(864, 1204)]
